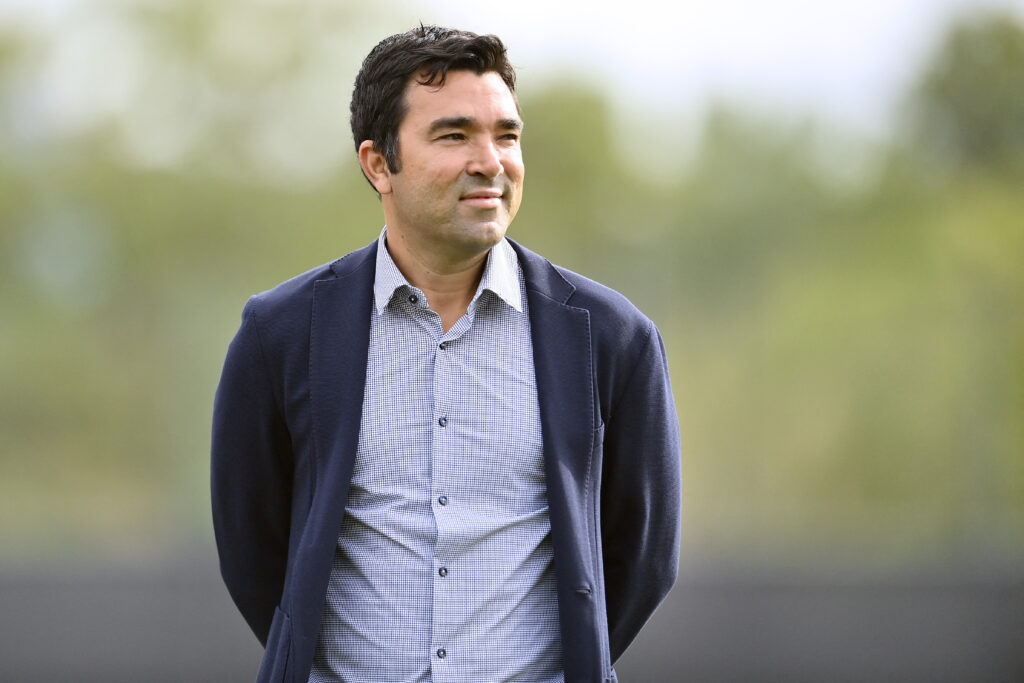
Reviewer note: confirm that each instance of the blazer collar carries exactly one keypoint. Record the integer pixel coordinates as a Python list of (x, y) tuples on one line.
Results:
[(352, 263), (541, 276)]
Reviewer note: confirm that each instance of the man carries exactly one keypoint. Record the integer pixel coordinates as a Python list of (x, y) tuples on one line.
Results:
[(441, 457)]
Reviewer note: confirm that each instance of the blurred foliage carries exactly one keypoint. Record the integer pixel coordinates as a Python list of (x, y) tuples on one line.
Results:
[(968, 108), (845, 325)]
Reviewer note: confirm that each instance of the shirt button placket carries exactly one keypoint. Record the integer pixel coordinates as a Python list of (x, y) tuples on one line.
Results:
[(441, 462)]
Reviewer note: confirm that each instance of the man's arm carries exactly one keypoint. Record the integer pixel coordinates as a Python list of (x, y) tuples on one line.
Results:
[(641, 496), (251, 474)]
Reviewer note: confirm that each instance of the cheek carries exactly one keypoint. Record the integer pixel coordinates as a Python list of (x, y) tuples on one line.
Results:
[(441, 177), (435, 170), (516, 199), (513, 164)]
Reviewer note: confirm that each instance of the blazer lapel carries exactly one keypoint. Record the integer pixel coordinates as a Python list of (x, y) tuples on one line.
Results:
[(338, 344), (563, 363)]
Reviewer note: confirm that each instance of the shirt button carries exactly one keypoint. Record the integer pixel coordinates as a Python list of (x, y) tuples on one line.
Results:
[(443, 500), (441, 654), (442, 572), (413, 298), (443, 345), (443, 421)]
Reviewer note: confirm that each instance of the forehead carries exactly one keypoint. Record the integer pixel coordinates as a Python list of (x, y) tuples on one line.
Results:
[(484, 97)]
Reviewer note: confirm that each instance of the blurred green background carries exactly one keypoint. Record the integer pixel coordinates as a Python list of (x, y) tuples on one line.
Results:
[(844, 311)]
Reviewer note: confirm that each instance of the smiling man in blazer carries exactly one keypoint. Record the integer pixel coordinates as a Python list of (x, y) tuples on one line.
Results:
[(441, 457)]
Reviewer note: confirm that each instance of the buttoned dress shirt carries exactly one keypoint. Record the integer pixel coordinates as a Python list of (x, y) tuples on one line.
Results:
[(443, 567)]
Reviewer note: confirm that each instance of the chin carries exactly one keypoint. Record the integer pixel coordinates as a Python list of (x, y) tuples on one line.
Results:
[(487, 234)]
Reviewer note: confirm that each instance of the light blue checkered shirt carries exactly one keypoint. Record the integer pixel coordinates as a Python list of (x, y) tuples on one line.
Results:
[(443, 569)]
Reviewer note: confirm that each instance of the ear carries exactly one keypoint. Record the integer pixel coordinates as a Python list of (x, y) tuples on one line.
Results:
[(375, 167)]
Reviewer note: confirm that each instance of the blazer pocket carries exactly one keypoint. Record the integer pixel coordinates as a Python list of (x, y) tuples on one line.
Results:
[(274, 667)]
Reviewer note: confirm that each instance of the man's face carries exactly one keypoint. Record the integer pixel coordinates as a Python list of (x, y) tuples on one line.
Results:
[(461, 177)]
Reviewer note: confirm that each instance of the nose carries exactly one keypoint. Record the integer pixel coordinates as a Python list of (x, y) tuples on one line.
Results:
[(485, 160)]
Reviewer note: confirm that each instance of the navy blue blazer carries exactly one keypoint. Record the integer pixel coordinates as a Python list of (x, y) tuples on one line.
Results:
[(286, 427)]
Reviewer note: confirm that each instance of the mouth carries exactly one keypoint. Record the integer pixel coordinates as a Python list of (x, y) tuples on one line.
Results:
[(482, 199)]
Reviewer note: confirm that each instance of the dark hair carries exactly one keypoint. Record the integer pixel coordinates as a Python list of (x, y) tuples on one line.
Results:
[(378, 98)]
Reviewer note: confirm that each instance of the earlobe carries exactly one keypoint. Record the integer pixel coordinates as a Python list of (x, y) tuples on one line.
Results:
[(375, 167)]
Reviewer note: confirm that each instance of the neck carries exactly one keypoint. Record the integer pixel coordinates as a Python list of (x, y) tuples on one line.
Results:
[(449, 282)]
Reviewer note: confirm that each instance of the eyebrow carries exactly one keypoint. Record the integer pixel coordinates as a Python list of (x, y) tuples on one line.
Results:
[(469, 122)]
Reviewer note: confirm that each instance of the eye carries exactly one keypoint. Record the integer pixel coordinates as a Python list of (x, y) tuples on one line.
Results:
[(453, 136), (509, 137)]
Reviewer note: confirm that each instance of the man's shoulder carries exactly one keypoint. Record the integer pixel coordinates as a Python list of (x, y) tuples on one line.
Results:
[(295, 294), (591, 294), (605, 305)]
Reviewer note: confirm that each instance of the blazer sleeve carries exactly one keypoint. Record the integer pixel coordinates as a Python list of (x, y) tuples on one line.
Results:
[(251, 464), (640, 496)]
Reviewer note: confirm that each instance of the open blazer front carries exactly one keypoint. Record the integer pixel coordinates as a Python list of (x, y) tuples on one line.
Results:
[(286, 428)]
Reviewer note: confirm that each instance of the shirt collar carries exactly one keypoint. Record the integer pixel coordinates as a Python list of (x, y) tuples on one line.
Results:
[(501, 276)]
